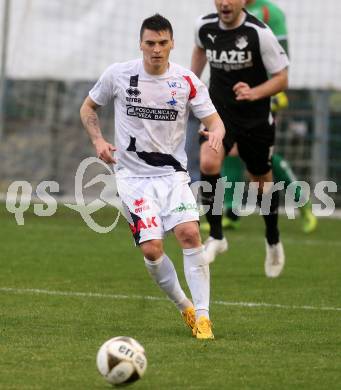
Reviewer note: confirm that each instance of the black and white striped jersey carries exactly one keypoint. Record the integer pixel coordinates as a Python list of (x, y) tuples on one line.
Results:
[(248, 53)]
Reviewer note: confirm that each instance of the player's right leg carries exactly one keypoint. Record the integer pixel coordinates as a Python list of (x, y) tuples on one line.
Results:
[(162, 271), (210, 167), (233, 169), (283, 172)]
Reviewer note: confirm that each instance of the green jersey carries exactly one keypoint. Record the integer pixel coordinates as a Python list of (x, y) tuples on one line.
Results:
[(273, 16)]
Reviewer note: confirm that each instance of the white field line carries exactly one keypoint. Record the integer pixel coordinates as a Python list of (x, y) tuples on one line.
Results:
[(29, 291)]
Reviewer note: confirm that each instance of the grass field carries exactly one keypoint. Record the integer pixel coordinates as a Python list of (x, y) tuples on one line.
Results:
[(65, 289)]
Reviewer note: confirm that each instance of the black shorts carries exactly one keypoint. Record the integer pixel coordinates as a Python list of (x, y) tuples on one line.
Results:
[(255, 146)]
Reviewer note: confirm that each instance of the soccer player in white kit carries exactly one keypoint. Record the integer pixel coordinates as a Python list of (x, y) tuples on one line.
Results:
[(152, 98)]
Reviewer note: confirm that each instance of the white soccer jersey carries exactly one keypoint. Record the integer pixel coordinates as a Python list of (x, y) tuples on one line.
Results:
[(151, 116)]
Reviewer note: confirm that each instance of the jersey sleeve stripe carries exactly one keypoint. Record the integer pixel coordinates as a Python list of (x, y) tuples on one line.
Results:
[(193, 91)]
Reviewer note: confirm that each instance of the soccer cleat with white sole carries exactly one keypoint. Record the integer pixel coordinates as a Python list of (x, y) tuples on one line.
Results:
[(214, 247), (274, 260), (203, 329)]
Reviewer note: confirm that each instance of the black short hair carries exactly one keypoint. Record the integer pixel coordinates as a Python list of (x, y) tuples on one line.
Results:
[(156, 23)]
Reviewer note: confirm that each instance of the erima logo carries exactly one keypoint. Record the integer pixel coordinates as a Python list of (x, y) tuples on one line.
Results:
[(241, 42), (133, 92), (229, 57), (211, 37), (139, 202)]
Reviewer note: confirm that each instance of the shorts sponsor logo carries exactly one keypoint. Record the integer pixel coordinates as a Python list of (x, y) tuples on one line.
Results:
[(142, 225), (141, 205), (139, 202), (185, 207), (155, 114)]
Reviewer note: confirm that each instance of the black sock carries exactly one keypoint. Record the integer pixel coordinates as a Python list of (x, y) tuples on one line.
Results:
[(271, 220), (207, 198)]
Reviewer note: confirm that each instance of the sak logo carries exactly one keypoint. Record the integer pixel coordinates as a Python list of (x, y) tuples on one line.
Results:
[(141, 225)]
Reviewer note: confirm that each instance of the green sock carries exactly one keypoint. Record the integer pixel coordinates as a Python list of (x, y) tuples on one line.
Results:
[(283, 172), (233, 169)]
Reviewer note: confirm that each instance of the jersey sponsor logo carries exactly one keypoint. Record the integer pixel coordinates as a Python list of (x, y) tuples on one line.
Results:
[(229, 60), (133, 92), (142, 225), (134, 81), (241, 42), (174, 84), (172, 102), (211, 37), (155, 114), (133, 100)]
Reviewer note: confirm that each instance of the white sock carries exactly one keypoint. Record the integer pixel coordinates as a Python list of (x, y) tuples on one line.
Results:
[(197, 274), (163, 272)]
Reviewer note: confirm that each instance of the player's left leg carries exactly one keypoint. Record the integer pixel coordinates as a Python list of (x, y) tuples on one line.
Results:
[(283, 172), (275, 259), (255, 148), (197, 275), (181, 215)]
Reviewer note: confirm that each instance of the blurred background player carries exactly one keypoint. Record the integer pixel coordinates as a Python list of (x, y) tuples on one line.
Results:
[(152, 98), (247, 67), (233, 167)]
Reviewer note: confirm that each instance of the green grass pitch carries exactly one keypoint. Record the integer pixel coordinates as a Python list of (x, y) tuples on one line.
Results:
[(65, 289)]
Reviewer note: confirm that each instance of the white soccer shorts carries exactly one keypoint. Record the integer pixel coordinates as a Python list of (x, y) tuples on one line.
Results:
[(155, 205)]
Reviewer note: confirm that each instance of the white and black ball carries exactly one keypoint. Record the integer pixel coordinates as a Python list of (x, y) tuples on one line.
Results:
[(121, 360)]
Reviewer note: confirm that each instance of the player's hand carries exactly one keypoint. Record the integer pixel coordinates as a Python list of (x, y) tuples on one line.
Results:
[(104, 151), (244, 92), (215, 140)]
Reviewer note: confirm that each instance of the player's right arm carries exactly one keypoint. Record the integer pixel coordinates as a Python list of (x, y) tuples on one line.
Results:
[(91, 123), (198, 60)]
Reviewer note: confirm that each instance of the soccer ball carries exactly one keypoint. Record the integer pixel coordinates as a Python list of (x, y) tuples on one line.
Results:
[(121, 360)]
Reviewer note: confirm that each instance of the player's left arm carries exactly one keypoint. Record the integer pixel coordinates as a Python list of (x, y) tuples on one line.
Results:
[(276, 64), (214, 131)]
